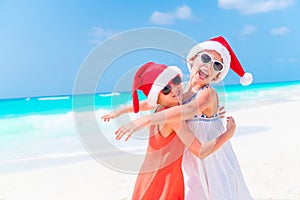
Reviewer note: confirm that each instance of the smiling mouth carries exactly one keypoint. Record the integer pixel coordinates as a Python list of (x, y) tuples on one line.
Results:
[(177, 95), (202, 74)]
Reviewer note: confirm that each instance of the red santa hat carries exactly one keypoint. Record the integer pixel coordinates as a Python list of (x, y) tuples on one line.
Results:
[(151, 78), (230, 60)]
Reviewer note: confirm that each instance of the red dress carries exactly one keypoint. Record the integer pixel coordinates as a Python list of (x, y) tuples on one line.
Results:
[(160, 177)]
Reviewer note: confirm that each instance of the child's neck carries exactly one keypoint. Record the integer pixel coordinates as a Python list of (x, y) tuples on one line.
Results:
[(192, 89), (196, 87)]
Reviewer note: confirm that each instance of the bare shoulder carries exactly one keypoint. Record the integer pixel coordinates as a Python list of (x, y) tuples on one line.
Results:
[(208, 93), (212, 90)]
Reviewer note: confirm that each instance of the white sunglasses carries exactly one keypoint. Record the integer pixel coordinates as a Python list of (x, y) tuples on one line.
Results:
[(207, 59)]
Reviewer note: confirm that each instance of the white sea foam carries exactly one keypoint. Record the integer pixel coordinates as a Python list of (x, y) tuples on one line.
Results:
[(38, 137), (110, 94), (53, 98)]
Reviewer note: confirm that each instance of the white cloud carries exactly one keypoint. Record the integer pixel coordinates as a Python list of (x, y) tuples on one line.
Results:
[(165, 18), (280, 31), (98, 34), (255, 6), (184, 12), (249, 29), (162, 18)]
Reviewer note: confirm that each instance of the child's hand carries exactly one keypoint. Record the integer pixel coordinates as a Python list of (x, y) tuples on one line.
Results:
[(231, 126), (109, 116), (222, 112), (131, 127)]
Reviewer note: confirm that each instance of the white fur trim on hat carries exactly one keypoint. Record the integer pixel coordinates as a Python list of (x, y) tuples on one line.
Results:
[(160, 82), (216, 46), (246, 79)]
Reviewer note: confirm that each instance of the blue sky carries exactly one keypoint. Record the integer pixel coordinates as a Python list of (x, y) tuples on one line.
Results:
[(44, 43)]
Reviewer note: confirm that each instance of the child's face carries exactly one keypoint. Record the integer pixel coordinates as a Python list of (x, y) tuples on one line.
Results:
[(171, 95), (202, 72)]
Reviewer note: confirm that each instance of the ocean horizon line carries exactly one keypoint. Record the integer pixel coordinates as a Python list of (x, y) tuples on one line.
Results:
[(111, 92)]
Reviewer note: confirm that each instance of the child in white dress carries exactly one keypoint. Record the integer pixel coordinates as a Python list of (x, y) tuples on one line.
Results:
[(219, 175)]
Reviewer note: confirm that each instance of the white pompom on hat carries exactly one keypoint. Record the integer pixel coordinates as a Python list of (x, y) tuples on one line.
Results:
[(151, 78), (220, 45)]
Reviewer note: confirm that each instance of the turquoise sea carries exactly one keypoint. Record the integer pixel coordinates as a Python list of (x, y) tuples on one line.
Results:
[(40, 131)]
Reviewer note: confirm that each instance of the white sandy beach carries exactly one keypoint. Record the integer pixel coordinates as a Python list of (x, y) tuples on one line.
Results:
[(266, 143)]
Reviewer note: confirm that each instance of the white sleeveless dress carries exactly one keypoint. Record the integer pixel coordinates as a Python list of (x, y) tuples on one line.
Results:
[(218, 176)]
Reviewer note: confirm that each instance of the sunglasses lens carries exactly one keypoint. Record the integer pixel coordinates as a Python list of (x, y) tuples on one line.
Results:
[(218, 66), (176, 80), (205, 58), (166, 90)]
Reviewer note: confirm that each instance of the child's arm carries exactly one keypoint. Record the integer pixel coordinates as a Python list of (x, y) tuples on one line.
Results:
[(184, 112), (143, 105), (173, 114), (199, 149)]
